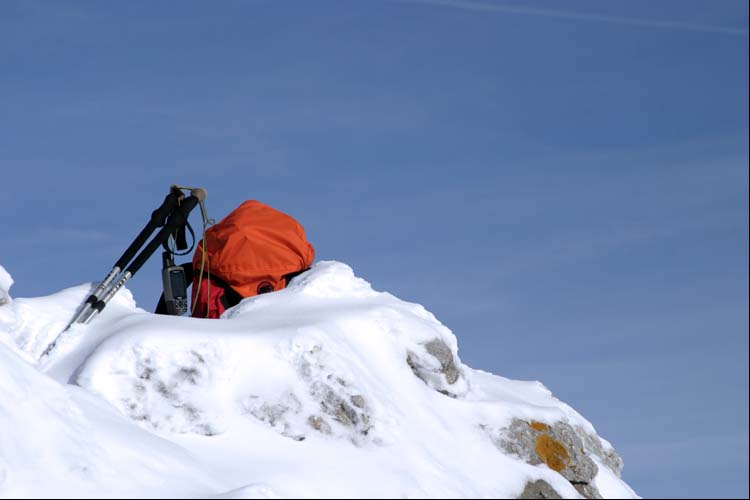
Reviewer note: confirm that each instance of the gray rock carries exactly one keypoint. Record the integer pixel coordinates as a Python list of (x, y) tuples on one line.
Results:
[(559, 446), (279, 415), (594, 446), (437, 367), (319, 424), (580, 469), (334, 404), (330, 403), (443, 354), (170, 388), (539, 489), (337, 403)]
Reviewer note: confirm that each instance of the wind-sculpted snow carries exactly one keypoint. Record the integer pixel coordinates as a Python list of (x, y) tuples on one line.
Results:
[(58, 440), (5, 283), (325, 389)]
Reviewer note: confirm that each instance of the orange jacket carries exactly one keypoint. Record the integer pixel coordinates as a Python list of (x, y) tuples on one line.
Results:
[(254, 246)]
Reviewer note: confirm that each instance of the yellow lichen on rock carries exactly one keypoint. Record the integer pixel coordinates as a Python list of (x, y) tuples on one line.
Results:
[(553, 452), (539, 426)]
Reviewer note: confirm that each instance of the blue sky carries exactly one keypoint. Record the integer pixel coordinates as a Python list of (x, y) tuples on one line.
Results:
[(565, 185)]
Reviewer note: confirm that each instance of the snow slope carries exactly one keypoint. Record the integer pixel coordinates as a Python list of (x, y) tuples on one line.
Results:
[(324, 389)]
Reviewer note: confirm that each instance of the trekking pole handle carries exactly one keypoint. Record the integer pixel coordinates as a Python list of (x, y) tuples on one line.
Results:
[(178, 218), (199, 193), (158, 219)]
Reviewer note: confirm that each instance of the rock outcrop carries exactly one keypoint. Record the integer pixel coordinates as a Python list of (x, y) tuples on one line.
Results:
[(567, 450)]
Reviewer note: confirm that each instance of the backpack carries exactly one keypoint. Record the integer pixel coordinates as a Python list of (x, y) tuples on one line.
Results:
[(255, 249)]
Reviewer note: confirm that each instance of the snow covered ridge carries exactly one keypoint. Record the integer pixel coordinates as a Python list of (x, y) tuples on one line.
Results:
[(325, 389), (5, 283)]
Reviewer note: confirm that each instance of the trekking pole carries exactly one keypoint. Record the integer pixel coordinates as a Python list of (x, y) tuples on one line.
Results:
[(170, 216), (176, 220), (158, 219)]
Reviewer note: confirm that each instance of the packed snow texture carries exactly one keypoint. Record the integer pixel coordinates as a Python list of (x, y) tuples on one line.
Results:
[(325, 389), (5, 283)]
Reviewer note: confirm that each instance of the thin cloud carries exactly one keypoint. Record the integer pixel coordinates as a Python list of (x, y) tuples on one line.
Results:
[(582, 16), (55, 236)]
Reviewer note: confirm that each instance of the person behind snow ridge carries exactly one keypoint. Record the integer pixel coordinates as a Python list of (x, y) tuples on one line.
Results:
[(255, 249)]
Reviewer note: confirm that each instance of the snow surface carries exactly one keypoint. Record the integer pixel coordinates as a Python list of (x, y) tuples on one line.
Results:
[(5, 283), (305, 392)]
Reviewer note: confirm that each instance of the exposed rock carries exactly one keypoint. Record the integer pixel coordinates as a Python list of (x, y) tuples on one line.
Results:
[(539, 489), (165, 395), (438, 368), (340, 407), (442, 353), (319, 424), (277, 415), (608, 457), (331, 404), (560, 446), (335, 395)]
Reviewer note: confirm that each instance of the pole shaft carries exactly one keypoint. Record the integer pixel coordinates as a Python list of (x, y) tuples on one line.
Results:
[(158, 219), (94, 297), (178, 218)]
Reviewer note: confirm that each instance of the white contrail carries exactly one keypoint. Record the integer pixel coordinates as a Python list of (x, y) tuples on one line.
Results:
[(581, 16)]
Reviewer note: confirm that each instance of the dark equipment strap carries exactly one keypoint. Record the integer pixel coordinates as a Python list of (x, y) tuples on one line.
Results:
[(230, 298)]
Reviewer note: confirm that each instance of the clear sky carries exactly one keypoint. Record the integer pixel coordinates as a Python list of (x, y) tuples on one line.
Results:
[(564, 184)]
